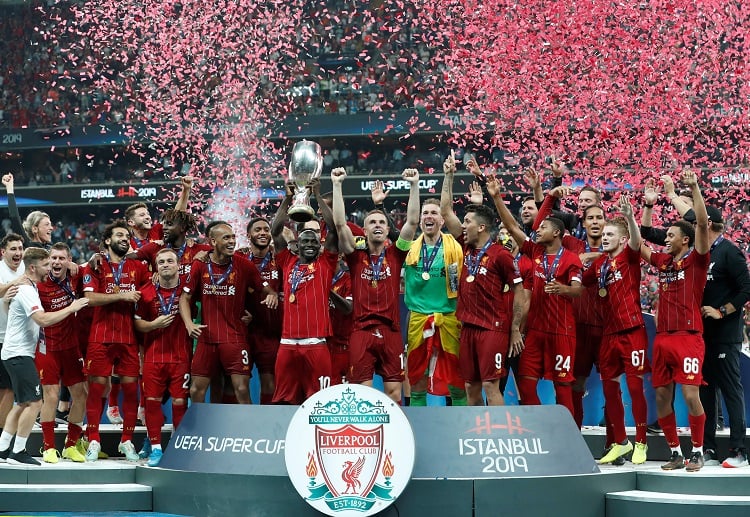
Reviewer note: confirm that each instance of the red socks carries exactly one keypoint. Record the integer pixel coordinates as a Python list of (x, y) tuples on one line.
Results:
[(94, 410), (129, 409)]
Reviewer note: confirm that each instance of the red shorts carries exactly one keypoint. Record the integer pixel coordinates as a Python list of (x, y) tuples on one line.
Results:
[(210, 359), (482, 353), (301, 371), (377, 349), (588, 344), (157, 377), (624, 352), (264, 349), (548, 356), (678, 357), (102, 360), (339, 363), (62, 365)]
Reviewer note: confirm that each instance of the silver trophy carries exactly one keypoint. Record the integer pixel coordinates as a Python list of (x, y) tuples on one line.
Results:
[(305, 166)]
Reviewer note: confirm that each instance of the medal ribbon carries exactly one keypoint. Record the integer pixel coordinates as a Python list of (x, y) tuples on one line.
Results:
[(472, 262), (223, 277), (166, 309), (179, 251), (549, 272), (264, 262), (376, 266), (338, 276), (588, 247), (716, 242), (603, 273), (428, 261), (65, 286), (667, 279), (139, 243), (116, 274), (297, 276)]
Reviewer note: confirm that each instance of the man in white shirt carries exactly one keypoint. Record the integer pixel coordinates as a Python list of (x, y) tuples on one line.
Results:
[(25, 316), (11, 268)]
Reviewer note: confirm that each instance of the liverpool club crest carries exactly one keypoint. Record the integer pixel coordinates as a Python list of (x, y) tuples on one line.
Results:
[(350, 450)]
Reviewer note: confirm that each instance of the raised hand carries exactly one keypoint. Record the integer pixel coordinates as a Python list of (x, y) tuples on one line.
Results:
[(449, 165), (475, 195), (532, 178), (411, 175), (378, 192), (651, 192), (338, 175)]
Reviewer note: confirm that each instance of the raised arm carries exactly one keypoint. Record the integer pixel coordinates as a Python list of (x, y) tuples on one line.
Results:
[(346, 238), (182, 201), (452, 223), (510, 223), (409, 229), (627, 210), (16, 223), (378, 195), (702, 244), (535, 182), (281, 218)]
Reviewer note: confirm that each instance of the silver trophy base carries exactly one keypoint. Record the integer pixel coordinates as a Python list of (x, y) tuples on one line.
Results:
[(301, 213)]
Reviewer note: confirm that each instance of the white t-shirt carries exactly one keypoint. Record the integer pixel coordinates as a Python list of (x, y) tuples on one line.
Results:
[(22, 333), (7, 275)]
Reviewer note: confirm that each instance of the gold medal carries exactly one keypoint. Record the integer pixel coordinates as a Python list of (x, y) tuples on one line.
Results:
[(374, 283), (425, 276), (213, 289), (116, 289), (292, 298), (506, 288), (603, 292), (470, 278)]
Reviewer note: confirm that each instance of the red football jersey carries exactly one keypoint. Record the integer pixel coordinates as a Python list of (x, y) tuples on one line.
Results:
[(266, 321), (113, 323), (588, 307), (56, 295), (622, 279), (156, 233), (681, 284), (481, 302), (341, 323), (167, 345), (376, 301), (222, 292), (551, 313), (307, 316), (185, 254)]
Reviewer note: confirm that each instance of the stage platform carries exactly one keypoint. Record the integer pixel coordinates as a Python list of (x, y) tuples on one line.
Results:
[(624, 491)]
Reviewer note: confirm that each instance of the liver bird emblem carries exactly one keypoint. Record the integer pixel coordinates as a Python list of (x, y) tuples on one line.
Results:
[(351, 473)]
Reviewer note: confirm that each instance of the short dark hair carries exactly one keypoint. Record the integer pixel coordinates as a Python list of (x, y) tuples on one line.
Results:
[(586, 210), (558, 224), (254, 220), (484, 214), (213, 224), (130, 211), (595, 191), (687, 230), (11, 237), (60, 246), (110, 228), (34, 254)]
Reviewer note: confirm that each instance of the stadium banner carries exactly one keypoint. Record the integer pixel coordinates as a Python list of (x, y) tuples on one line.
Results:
[(451, 442)]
